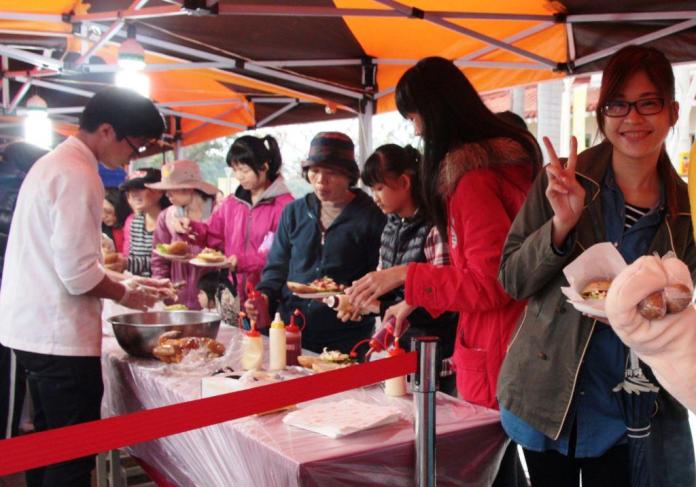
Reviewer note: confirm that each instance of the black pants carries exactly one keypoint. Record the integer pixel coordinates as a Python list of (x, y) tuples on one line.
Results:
[(65, 391), (552, 469), (12, 391), (511, 473)]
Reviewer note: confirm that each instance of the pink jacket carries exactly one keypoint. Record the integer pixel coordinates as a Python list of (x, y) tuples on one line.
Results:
[(176, 271), (668, 345), (246, 231)]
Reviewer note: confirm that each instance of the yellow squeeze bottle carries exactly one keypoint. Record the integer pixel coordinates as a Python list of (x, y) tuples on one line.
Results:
[(277, 347)]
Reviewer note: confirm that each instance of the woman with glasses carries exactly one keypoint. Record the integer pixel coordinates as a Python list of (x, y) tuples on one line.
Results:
[(555, 386)]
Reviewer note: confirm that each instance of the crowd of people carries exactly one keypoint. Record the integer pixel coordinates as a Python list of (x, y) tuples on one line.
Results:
[(467, 241)]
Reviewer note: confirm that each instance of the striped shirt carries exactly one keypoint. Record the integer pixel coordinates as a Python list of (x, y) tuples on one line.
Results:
[(633, 214), (140, 247)]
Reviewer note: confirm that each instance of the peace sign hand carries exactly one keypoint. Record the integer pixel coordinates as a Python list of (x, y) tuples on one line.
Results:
[(564, 192)]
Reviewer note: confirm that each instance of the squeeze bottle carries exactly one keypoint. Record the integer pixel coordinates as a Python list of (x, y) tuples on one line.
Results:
[(260, 304), (252, 349), (396, 386), (293, 338), (277, 347)]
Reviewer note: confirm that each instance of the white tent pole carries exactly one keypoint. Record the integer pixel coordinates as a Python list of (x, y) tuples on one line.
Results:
[(301, 63), (437, 20), (19, 95), (277, 113), (632, 16), (201, 118), (57, 87), (5, 83), (513, 38), (29, 17), (31, 58), (248, 65), (365, 132), (195, 129), (106, 37), (310, 11), (133, 14), (638, 40)]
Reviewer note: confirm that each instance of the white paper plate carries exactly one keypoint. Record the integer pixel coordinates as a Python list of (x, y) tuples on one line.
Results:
[(318, 295), (180, 258), (202, 263), (588, 309)]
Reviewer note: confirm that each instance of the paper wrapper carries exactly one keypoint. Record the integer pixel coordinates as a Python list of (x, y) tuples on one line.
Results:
[(601, 261), (341, 418)]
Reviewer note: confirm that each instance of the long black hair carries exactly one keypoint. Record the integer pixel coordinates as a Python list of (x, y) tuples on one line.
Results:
[(391, 161), (254, 152), (452, 114), (118, 201)]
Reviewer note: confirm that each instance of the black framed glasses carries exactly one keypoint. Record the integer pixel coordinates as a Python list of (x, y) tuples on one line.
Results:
[(645, 106), (136, 150)]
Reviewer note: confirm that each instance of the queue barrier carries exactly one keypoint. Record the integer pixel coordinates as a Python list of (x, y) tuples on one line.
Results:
[(61, 444)]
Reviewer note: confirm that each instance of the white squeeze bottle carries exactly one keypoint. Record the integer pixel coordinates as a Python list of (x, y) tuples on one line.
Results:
[(252, 349), (277, 348)]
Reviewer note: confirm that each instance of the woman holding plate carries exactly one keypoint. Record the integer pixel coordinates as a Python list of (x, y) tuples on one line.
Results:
[(191, 198)]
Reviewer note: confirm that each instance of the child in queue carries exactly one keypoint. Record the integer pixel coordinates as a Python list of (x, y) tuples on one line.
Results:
[(192, 198), (555, 386), (140, 226), (244, 224), (392, 173), (476, 172)]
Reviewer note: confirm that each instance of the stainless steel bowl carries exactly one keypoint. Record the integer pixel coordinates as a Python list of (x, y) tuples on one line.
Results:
[(138, 333)]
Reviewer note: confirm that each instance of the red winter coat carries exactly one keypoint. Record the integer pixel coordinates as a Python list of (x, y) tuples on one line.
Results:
[(481, 205)]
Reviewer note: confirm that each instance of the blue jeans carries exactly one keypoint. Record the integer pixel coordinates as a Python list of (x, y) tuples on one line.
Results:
[(65, 391)]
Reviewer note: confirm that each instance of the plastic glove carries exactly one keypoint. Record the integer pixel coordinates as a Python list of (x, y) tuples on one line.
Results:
[(137, 298), (667, 345)]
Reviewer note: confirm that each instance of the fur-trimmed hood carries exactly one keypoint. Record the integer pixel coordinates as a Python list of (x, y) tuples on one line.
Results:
[(478, 155)]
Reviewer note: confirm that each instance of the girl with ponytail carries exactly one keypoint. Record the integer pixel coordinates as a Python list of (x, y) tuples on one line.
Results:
[(244, 224)]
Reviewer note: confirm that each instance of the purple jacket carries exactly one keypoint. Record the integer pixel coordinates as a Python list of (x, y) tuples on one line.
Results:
[(239, 228), (176, 271)]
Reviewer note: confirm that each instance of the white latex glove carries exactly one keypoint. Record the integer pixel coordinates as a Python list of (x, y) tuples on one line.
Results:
[(138, 298), (667, 345)]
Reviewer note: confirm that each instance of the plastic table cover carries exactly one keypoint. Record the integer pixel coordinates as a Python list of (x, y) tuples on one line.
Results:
[(262, 451)]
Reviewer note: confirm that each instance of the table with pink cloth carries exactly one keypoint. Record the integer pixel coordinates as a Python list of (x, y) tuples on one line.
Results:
[(263, 451)]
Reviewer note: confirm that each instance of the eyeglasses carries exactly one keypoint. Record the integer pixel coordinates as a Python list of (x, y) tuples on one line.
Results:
[(646, 106), (137, 150)]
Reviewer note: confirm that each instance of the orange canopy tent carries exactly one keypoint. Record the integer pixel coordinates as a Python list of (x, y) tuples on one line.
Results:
[(221, 66)]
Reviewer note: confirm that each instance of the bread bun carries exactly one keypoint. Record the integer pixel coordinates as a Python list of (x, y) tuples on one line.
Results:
[(654, 306), (677, 297), (110, 258), (211, 256), (178, 247), (596, 289)]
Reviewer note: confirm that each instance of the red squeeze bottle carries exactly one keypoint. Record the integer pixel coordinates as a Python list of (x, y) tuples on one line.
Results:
[(384, 337), (261, 305), (293, 338)]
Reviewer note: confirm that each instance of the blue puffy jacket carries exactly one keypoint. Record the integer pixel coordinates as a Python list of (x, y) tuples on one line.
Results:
[(350, 249)]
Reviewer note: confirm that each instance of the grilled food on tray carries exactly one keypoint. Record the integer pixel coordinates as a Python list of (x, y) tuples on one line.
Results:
[(172, 349), (322, 285), (178, 248), (211, 256), (327, 360)]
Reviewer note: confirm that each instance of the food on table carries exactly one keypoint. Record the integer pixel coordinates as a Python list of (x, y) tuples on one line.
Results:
[(211, 256), (110, 258), (653, 306), (176, 307), (321, 285), (178, 248), (172, 349), (327, 360), (596, 289)]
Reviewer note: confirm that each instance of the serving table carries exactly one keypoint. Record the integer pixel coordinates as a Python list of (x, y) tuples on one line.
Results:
[(263, 451)]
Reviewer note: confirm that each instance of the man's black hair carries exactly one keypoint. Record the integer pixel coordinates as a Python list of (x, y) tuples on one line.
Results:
[(130, 114)]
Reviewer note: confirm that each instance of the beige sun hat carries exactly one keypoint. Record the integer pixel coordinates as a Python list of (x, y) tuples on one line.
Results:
[(183, 174)]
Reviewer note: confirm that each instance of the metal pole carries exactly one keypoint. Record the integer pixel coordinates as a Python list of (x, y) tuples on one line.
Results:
[(425, 382)]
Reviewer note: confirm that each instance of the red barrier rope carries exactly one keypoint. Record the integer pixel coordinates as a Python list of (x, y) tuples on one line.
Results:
[(61, 444)]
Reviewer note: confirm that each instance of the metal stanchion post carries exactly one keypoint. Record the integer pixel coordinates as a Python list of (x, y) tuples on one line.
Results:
[(425, 382)]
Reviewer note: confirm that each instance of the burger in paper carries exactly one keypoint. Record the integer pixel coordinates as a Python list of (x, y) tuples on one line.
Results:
[(596, 289), (211, 256)]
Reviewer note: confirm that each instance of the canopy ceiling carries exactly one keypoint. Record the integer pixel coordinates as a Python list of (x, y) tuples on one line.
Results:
[(225, 66)]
